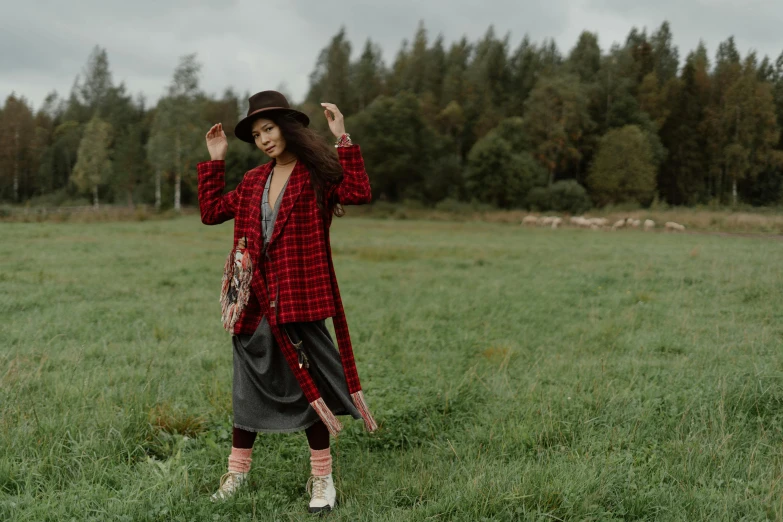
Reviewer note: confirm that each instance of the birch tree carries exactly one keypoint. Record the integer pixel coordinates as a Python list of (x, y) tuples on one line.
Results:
[(176, 134), (93, 164)]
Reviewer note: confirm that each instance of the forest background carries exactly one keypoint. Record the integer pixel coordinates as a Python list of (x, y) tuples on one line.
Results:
[(480, 122)]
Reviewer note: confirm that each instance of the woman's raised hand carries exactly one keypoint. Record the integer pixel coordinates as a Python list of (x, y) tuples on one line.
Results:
[(335, 119), (217, 142)]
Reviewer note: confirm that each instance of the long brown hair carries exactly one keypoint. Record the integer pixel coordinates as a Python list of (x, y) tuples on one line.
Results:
[(312, 150)]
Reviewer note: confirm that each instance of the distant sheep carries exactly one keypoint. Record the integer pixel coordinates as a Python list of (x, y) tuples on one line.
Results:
[(555, 222), (581, 222), (674, 227)]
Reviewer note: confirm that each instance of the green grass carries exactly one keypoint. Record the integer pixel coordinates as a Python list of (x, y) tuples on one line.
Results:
[(517, 374)]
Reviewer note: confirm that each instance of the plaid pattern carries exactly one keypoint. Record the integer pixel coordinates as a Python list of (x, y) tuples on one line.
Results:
[(293, 278)]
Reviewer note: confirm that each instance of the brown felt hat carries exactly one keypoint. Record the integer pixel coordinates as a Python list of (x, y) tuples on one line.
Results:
[(266, 104)]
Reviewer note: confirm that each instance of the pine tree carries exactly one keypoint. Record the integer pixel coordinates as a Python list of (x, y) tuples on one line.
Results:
[(331, 79), (457, 62), (665, 54), (641, 50), (737, 123), (488, 85), (129, 163), (525, 67), (97, 82), (416, 72), (682, 179), (549, 57), (653, 99), (767, 188), (749, 120), (436, 72), (397, 77), (41, 145), (44, 131), (727, 71), (65, 147), (777, 94), (17, 132), (223, 110), (368, 75), (585, 58), (766, 71), (451, 122), (613, 101)]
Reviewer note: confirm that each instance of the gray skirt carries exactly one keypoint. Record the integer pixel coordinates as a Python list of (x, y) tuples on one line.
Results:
[(266, 395)]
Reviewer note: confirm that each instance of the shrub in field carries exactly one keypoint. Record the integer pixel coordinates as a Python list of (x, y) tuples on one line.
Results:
[(499, 174), (563, 196), (624, 168), (451, 205)]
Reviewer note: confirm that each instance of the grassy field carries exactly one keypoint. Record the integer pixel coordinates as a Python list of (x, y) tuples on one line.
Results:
[(517, 374)]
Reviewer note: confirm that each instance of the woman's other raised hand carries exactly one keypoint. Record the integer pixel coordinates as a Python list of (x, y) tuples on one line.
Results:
[(335, 119), (217, 142)]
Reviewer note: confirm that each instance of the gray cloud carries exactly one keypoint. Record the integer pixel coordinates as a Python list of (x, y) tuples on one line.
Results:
[(754, 23), (257, 45)]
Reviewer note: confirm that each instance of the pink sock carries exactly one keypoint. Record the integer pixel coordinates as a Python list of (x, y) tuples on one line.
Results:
[(321, 462), (240, 459)]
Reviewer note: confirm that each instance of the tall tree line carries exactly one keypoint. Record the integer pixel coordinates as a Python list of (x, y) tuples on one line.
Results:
[(510, 126), (101, 145)]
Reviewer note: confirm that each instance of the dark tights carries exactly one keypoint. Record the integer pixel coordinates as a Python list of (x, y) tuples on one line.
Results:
[(317, 437), (243, 438)]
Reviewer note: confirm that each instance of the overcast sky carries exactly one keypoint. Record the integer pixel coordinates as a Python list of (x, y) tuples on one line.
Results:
[(257, 45)]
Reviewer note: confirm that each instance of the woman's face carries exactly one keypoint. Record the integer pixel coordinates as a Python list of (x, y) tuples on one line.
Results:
[(268, 137)]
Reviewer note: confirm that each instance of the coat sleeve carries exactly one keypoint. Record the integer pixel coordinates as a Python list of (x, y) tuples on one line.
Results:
[(215, 206), (355, 186)]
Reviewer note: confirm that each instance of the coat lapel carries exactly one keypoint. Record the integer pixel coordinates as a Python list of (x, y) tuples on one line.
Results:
[(295, 184)]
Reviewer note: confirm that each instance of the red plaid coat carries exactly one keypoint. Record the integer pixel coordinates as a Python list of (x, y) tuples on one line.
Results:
[(293, 278), (295, 269)]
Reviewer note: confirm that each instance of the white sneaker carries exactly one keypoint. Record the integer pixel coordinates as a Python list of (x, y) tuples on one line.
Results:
[(229, 484), (323, 493)]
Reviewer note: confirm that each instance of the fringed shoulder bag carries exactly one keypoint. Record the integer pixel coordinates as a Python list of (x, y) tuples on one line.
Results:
[(235, 290)]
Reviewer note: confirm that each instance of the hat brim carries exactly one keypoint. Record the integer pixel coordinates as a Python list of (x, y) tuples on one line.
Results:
[(244, 129)]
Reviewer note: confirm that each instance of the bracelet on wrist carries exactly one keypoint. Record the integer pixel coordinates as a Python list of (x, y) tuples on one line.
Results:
[(344, 140)]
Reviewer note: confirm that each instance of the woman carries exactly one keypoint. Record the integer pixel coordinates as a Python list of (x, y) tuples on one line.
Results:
[(288, 375)]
